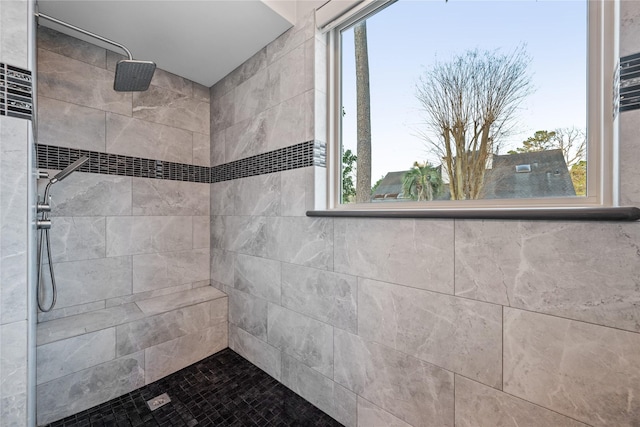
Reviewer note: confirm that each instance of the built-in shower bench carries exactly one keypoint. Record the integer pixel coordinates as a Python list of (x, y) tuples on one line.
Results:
[(152, 337)]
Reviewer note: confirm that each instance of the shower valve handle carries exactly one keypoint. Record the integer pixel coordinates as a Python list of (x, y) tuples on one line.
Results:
[(43, 224), (44, 207)]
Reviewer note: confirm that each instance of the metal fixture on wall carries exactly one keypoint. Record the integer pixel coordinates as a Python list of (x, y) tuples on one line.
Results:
[(132, 75), (44, 224)]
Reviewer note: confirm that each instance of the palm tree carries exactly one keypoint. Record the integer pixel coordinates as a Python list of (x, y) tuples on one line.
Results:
[(422, 182)]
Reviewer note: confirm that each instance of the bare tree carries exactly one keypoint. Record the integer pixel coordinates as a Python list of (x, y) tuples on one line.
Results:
[(469, 104), (573, 143), (363, 170)]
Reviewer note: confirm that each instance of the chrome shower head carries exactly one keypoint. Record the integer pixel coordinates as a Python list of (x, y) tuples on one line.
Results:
[(69, 170), (133, 75)]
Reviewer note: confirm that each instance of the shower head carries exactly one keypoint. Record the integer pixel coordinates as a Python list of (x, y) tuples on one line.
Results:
[(69, 169), (133, 75)]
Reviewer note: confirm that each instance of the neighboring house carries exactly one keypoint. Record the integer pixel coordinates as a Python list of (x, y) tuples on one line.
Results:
[(511, 176), (528, 175)]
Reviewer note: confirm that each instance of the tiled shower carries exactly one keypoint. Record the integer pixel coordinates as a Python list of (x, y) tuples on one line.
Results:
[(389, 322)]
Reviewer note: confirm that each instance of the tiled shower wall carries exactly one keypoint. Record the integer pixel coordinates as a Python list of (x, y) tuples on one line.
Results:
[(418, 322), (123, 246), (14, 205)]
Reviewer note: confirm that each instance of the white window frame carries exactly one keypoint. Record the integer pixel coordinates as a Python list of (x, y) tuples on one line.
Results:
[(602, 147)]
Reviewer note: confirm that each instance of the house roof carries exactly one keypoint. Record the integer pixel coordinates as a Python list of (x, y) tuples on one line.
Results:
[(528, 175), (512, 176)]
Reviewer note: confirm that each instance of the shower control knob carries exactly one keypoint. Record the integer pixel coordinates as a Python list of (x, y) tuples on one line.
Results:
[(43, 224), (44, 207)]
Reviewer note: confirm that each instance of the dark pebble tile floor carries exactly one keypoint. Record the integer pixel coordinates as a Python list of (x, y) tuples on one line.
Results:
[(221, 390)]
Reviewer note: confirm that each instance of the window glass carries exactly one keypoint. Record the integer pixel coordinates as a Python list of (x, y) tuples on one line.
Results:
[(464, 100)]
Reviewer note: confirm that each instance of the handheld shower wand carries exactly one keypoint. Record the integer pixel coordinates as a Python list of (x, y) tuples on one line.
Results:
[(44, 224)]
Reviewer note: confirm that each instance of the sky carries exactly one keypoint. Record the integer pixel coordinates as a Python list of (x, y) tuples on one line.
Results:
[(407, 37)]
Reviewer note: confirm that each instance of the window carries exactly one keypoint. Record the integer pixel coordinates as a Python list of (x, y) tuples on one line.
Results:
[(473, 104)]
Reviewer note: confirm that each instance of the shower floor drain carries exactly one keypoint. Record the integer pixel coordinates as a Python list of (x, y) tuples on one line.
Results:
[(158, 401)]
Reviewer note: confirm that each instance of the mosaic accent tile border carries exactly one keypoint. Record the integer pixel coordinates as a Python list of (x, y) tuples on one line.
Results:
[(309, 153), (629, 82), (16, 87)]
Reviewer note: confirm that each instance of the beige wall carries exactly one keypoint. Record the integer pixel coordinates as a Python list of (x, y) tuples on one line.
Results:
[(417, 322)]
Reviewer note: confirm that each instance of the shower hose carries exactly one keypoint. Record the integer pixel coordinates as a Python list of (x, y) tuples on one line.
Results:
[(43, 239)]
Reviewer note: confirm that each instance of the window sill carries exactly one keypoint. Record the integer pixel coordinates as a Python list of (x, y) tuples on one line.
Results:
[(626, 213)]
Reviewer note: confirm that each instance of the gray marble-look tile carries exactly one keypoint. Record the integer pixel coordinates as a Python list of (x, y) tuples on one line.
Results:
[(201, 232), (14, 178), (244, 234), (223, 266), (14, 33), (153, 330), (218, 147), (168, 269), (410, 252), (302, 241), (295, 186), (172, 109), (415, 391), (287, 41), (171, 356), (82, 390), (323, 295), (172, 82), (81, 282), (481, 406), (332, 398), (112, 302), (75, 354), (457, 334), (71, 47), (258, 352), (69, 125), (13, 358), (59, 313), (258, 195), (222, 197), (629, 154), (165, 197), (584, 271), (370, 415), (201, 149), (90, 194), (77, 238), (259, 277), (629, 31), (253, 96), (219, 308), (148, 234), (302, 337), (66, 79), (139, 138), (241, 74), (287, 77), (13, 409), (588, 372), (222, 112), (285, 123), (246, 138), (248, 312), (201, 92), (72, 326), (175, 301)]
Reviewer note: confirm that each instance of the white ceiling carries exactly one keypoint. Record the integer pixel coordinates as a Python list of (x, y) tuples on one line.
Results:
[(200, 40)]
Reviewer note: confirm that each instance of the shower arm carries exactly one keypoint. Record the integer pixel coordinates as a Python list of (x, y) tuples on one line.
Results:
[(89, 33)]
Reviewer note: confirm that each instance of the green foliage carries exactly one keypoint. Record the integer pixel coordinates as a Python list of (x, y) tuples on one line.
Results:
[(540, 141), (579, 177), (348, 171), (422, 182)]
